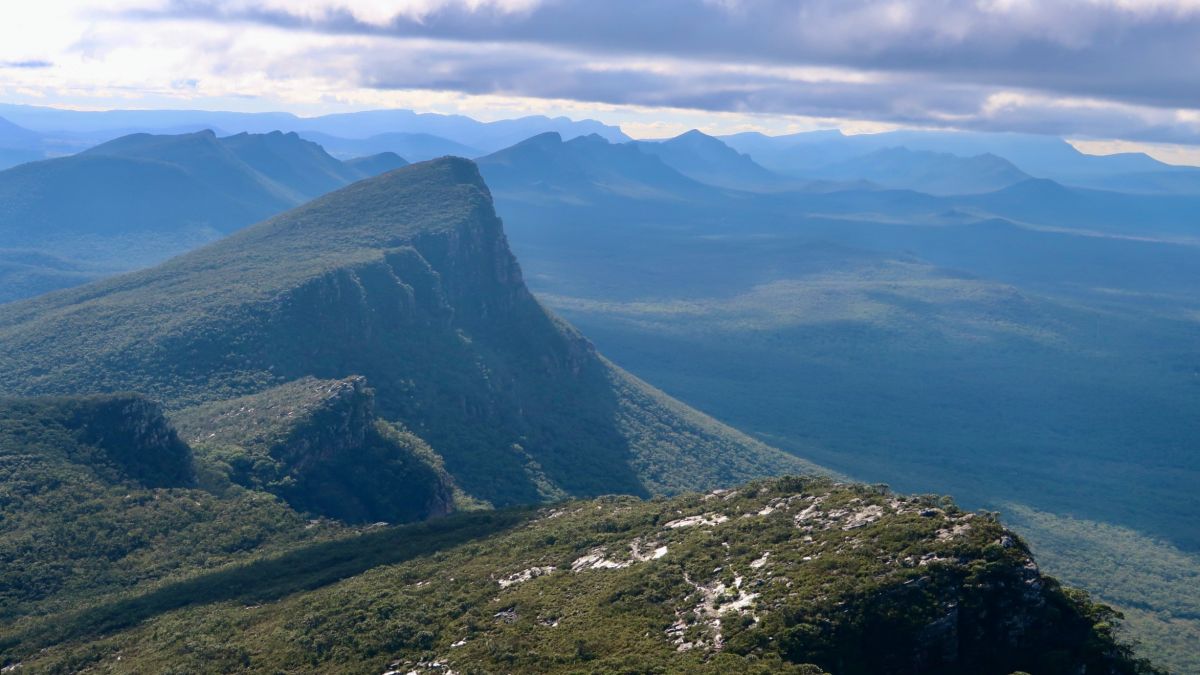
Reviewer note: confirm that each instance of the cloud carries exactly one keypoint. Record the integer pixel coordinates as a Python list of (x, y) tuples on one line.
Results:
[(1136, 52), (32, 63), (1124, 69)]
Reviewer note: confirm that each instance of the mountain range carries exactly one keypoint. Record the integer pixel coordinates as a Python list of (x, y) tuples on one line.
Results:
[(1040, 156), (369, 354), (375, 354), (49, 132), (139, 199)]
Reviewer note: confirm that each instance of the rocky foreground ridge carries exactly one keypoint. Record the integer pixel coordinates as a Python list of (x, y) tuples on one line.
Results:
[(790, 575)]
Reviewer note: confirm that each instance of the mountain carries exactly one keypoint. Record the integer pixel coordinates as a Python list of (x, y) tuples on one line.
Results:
[(486, 136), (139, 199), (18, 145), (13, 136), (1051, 204), (587, 167), (788, 576), (414, 146), (929, 172), (708, 160), (1039, 156), (464, 131), (373, 165), (407, 280)]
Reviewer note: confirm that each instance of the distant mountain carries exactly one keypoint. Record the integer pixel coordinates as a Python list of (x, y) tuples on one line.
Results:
[(373, 165), (1040, 156), (1165, 182), (589, 167), (464, 131), (138, 199), (405, 279), (486, 136), (288, 160), (930, 172), (1050, 204), (414, 147), (708, 160), (13, 136), (18, 145)]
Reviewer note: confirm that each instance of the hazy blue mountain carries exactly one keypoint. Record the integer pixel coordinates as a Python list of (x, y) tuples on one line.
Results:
[(373, 165), (1050, 204), (1039, 156), (13, 136), (486, 136), (587, 168), (930, 172), (708, 160), (288, 160), (413, 146), (483, 136), (1167, 182), (46, 120), (18, 145), (136, 200)]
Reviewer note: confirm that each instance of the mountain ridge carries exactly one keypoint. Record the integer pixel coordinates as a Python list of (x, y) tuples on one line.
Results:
[(405, 279), (138, 199)]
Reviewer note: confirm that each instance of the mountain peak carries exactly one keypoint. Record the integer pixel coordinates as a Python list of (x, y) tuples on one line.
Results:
[(694, 135), (546, 139), (710, 160)]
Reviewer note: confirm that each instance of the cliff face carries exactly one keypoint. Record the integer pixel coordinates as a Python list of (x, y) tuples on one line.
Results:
[(319, 445)]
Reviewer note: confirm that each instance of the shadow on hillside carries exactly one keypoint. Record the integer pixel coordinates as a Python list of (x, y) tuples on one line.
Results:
[(270, 579)]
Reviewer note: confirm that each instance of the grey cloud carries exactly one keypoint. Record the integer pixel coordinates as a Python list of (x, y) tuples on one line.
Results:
[(932, 60)]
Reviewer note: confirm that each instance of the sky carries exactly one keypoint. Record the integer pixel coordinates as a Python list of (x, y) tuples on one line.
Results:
[(1112, 75)]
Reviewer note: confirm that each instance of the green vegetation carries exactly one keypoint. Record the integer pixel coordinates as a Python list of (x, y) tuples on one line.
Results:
[(776, 575), (1153, 582), (318, 445), (98, 496)]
